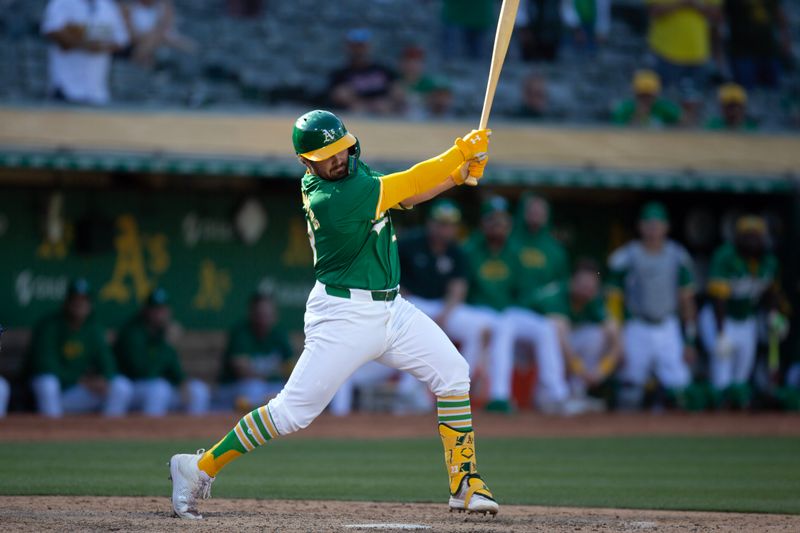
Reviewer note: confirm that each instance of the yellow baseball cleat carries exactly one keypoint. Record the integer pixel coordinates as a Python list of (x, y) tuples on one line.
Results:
[(468, 492)]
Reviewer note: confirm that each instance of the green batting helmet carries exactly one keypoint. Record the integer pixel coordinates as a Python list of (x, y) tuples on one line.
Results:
[(319, 134)]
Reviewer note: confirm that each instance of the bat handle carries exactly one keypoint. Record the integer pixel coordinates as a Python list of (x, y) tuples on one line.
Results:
[(472, 182)]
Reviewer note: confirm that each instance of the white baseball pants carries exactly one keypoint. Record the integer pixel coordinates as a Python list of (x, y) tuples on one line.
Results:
[(342, 334), (471, 327), (54, 402), (654, 348), (156, 397), (589, 343), (5, 394), (369, 374), (735, 367), (522, 324)]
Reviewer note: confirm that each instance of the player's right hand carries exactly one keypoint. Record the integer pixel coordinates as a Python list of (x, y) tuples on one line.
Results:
[(474, 143), (470, 169), (477, 165)]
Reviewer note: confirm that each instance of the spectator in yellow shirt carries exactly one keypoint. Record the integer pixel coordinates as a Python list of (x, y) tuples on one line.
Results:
[(680, 37)]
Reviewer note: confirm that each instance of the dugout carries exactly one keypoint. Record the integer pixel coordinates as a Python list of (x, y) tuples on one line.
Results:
[(207, 205)]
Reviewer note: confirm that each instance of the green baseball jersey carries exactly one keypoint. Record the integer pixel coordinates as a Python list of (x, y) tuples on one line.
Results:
[(554, 299), (354, 245), (742, 282), (718, 123), (69, 354), (542, 259), (142, 354), (493, 276), (663, 113), (268, 354)]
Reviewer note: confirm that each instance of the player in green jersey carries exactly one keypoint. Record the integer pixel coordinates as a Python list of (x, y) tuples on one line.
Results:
[(69, 363), (495, 278), (355, 313), (258, 357), (589, 338), (742, 282), (146, 357), (543, 259)]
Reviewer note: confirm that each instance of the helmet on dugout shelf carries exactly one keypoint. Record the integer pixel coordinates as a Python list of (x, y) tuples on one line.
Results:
[(319, 134)]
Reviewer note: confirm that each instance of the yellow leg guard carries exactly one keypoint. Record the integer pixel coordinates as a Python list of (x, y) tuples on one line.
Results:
[(459, 456)]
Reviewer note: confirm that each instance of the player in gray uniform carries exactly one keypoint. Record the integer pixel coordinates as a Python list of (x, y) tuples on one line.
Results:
[(650, 283)]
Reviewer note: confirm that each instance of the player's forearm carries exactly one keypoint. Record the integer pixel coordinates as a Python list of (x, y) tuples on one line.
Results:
[(423, 177), (417, 199), (68, 37), (613, 340), (688, 309), (562, 330)]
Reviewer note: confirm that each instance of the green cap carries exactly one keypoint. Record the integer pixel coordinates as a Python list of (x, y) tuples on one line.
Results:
[(319, 134), (158, 297), (444, 210), (79, 287), (654, 211), (494, 204)]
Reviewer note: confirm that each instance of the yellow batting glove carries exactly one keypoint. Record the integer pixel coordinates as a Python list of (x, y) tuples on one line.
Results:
[(469, 169), (474, 143), (477, 165)]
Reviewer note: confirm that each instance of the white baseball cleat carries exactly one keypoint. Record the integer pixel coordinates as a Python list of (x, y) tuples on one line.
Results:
[(475, 502), (188, 484)]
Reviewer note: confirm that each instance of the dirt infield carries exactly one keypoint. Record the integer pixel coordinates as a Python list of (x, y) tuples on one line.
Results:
[(60, 513), (366, 426), (51, 513)]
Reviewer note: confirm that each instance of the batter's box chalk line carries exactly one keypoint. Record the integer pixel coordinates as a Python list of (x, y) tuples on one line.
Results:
[(386, 526)]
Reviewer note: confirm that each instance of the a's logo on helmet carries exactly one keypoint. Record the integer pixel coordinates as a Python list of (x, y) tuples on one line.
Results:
[(329, 135)]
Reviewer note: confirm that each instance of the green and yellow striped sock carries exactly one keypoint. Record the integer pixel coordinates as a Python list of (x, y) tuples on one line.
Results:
[(253, 430), (455, 412)]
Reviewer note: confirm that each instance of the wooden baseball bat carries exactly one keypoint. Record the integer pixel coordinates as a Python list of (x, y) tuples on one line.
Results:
[(505, 26)]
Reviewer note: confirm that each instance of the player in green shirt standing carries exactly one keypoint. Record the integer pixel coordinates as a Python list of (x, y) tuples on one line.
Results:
[(258, 357), (147, 358), (70, 364), (355, 313), (742, 281)]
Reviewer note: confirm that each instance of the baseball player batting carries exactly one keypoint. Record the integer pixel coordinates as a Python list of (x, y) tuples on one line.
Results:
[(355, 313)]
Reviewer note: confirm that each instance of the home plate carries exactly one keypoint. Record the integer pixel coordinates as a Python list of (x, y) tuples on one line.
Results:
[(386, 526)]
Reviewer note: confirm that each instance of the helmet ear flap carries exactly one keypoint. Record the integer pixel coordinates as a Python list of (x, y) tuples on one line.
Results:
[(355, 154)]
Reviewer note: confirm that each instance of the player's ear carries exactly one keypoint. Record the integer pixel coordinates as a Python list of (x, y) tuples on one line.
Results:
[(305, 162)]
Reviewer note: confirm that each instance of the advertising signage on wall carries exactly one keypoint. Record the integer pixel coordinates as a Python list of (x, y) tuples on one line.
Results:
[(210, 251)]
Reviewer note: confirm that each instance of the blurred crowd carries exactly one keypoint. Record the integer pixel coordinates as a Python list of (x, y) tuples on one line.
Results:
[(697, 49), (636, 332)]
